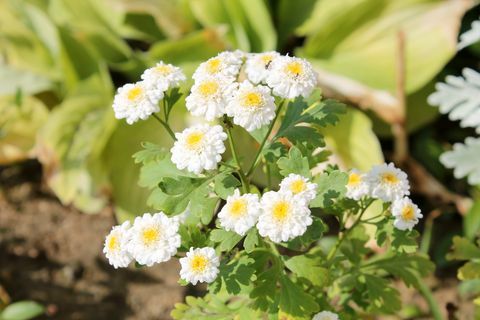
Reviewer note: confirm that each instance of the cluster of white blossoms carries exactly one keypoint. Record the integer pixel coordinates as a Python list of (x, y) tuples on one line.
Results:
[(135, 101), (389, 184), (326, 315), (154, 239), (151, 239), (221, 89), (279, 215)]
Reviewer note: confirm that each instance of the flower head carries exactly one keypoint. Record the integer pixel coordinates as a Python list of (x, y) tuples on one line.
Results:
[(251, 106), (199, 265), (226, 65), (292, 77), (357, 186), (325, 315), (300, 187), (283, 216), (259, 65), (199, 148), (240, 213), (387, 182), (163, 76), (153, 238), (136, 101), (115, 246), (209, 97), (406, 214)]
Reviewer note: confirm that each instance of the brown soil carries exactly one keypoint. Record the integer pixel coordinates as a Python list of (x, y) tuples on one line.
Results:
[(53, 254)]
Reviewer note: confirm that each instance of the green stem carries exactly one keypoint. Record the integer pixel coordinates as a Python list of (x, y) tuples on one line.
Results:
[(243, 178), (256, 161), (165, 115), (166, 126), (432, 303), (346, 232)]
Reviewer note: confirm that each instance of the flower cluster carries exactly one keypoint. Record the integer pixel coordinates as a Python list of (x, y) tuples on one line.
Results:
[(226, 207), (250, 102), (135, 101), (389, 184), (279, 215), (154, 239)]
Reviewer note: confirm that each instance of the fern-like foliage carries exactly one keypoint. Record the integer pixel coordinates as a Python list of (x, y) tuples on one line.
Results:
[(464, 160), (459, 97), (471, 36)]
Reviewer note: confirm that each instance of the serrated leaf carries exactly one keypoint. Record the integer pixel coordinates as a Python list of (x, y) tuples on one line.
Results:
[(234, 275), (407, 267), (150, 152), (463, 249), (294, 300), (330, 186), (225, 184), (226, 239), (300, 119), (294, 163), (313, 233), (251, 240), (470, 270), (381, 295), (264, 293), (309, 267)]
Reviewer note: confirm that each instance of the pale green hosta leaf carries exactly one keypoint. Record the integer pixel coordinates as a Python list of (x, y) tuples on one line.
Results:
[(361, 43), (471, 36), (463, 160), (248, 22), (70, 144), (459, 97), (354, 141), (19, 123), (13, 79)]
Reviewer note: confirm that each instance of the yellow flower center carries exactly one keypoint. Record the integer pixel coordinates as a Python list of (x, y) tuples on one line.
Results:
[(408, 213), (267, 59), (297, 186), (113, 243), (198, 263), (295, 68), (354, 179), (252, 99), (194, 140), (213, 65), (163, 69), (389, 178), (281, 210), (208, 88), (150, 235), (238, 208), (134, 93)]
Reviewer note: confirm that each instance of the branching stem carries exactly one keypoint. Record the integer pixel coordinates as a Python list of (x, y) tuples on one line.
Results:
[(256, 161), (166, 126)]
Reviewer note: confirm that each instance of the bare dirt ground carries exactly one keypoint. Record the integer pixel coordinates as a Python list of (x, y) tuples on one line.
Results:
[(53, 254)]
